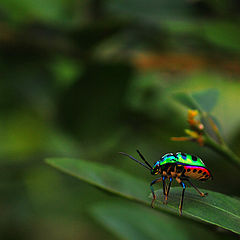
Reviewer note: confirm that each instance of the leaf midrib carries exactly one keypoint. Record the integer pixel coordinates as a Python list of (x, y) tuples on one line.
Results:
[(221, 209), (214, 223), (206, 220), (213, 206)]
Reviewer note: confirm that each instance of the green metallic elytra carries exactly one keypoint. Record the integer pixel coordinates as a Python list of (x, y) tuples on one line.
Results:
[(168, 158), (190, 160), (181, 158)]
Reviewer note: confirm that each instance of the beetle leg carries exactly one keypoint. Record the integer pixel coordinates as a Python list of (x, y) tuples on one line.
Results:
[(182, 197), (167, 190), (181, 201), (164, 188), (152, 190), (201, 193)]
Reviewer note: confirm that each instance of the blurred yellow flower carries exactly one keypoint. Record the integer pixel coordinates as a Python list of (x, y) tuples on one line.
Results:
[(196, 132), (194, 123)]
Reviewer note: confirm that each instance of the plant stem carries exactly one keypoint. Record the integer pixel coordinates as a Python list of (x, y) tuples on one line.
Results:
[(223, 150)]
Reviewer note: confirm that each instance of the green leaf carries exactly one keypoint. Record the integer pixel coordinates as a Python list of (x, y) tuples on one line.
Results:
[(186, 100), (126, 221), (202, 100), (217, 209), (105, 177), (206, 99)]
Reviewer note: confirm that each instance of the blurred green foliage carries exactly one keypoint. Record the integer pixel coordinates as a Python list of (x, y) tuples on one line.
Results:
[(90, 78)]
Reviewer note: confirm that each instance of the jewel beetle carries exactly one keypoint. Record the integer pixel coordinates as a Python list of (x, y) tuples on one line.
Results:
[(179, 166)]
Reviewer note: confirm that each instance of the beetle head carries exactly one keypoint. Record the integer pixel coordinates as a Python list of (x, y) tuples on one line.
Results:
[(156, 169)]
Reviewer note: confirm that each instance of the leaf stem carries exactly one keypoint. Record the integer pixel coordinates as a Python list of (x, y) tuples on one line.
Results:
[(223, 149)]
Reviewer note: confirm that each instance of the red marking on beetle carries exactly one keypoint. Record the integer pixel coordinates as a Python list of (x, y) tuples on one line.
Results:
[(194, 171)]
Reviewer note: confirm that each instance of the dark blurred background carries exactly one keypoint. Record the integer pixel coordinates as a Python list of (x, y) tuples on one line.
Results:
[(90, 78)]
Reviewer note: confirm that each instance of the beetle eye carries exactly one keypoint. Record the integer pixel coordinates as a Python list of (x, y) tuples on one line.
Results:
[(156, 170)]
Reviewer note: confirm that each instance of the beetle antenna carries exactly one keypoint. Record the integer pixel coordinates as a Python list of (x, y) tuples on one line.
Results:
[(150, 168), (142, 157)]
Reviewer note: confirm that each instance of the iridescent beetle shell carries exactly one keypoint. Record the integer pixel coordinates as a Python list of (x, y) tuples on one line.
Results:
[(179, 166), (193, 166)]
